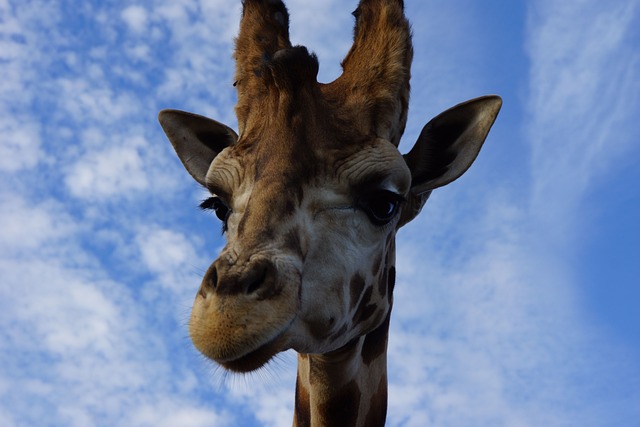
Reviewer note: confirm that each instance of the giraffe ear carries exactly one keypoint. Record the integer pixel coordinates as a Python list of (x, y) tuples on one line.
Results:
[(447, 146), (196, 139)]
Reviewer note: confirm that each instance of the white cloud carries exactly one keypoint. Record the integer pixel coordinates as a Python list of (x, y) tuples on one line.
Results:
[(25, 227), (198, 70), (169, 413), (582, 91), (86, 101), (173, 258), (164, 250), (124, 163), (20, 148), (136, 18), (19, 133), (116, 170)]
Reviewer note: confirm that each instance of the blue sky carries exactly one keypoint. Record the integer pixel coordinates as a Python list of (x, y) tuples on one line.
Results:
[(518, 286)]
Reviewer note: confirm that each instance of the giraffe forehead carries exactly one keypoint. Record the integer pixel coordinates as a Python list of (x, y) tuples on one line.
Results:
[(225, 174), (377, 163), (287, 168)]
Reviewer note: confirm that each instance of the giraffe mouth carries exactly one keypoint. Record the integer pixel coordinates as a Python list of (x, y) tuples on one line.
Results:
[(257, 358)]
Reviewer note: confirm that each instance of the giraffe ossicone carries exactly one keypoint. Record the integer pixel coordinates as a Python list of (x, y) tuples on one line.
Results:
[(311, 192)]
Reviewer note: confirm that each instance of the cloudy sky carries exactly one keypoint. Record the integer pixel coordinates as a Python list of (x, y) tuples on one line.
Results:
[(518, 296)]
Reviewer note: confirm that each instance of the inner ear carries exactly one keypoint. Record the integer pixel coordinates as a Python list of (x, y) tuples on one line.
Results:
[(196, 139), (448, 144)]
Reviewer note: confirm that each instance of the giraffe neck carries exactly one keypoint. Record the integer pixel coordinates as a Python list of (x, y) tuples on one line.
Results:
[(347, 387)]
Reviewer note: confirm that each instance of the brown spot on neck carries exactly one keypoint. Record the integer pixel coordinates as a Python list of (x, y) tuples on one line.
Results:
[(375, 268), (375, 343), (391, 280), (302, 415), (382, 283), (365, 310), (343, 407), (377, 414), (355, 288)]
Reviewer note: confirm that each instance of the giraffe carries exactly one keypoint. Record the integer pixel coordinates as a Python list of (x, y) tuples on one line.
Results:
[(311, 192)]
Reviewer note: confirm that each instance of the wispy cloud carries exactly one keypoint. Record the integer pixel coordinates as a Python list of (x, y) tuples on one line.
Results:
[(583, 93)]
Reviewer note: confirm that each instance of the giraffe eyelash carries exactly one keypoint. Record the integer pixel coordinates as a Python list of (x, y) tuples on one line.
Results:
[(219, 207)]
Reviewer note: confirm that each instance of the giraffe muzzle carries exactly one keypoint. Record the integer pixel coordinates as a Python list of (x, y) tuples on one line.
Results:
[(243, 311)]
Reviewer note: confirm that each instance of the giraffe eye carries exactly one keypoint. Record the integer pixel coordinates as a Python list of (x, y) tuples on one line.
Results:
[(219, 207), (381, 206)]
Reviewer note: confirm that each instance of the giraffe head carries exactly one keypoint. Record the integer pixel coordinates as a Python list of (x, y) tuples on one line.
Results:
[(312, 191)]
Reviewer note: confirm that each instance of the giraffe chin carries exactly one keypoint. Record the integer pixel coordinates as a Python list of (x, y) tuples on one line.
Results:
[(254, 360), (235, 356)]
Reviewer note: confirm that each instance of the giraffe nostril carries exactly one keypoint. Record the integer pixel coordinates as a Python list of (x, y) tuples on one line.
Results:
[(202, 292), (210, 281), (254, 286), (255, 278), (255, 281)]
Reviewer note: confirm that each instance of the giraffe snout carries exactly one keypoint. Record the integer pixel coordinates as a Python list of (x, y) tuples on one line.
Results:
[(243, 311)]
